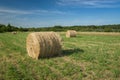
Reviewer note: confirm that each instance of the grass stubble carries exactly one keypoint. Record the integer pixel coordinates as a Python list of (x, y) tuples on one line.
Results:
[(89, 56)]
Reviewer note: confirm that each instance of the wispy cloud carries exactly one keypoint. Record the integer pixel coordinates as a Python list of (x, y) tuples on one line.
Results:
[(28, 17), (35, 12), (90, 3), (48, 11), (13, 11)]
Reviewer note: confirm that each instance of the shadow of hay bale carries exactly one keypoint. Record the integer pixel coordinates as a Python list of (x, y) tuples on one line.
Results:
[(72, 51), (66, 52)]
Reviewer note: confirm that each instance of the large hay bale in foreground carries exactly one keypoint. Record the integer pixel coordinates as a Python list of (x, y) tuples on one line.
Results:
[(71, 33), (43, 44)]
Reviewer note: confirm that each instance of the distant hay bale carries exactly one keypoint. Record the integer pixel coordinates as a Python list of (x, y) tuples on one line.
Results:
[(71, 33), (14, 32), (43, 44)]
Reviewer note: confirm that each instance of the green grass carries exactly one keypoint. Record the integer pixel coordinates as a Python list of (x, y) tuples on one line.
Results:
[(85, 57)]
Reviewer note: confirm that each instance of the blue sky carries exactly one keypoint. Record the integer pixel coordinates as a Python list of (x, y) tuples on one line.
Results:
[(43, 13)]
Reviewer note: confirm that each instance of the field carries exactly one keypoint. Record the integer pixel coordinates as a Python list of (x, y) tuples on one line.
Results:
[(89, 56)]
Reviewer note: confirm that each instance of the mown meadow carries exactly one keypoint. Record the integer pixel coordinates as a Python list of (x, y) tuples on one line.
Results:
[(89, 56)]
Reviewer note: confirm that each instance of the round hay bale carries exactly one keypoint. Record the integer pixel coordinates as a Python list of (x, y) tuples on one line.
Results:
[(43, 44), (71, 33), (14, 32)]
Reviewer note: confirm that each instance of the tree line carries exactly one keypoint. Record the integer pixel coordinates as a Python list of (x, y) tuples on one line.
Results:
[(90, 28)]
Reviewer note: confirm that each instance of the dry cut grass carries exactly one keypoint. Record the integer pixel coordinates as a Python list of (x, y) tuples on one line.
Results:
[(89, 56), (100, 33)]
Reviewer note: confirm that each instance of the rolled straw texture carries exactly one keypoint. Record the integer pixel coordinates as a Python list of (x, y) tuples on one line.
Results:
[(71, 33), (43, 44)]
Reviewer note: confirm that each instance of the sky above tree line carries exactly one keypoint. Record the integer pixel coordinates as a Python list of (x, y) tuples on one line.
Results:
[(44, 13)]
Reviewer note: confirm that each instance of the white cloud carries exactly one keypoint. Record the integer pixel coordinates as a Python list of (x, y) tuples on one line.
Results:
[(27, 17), (48, 12), (35, 12), (90, 3), (13, 11)]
